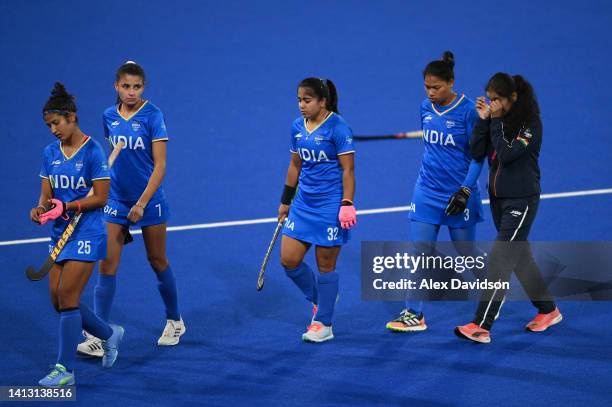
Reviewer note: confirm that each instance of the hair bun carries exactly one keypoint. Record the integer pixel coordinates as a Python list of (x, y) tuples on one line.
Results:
[(449, 58), (59, 90)]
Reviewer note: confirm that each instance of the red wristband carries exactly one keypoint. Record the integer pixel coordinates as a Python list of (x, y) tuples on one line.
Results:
[(78, 206)]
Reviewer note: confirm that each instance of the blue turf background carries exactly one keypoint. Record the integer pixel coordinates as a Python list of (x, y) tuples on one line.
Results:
[(224, 73)]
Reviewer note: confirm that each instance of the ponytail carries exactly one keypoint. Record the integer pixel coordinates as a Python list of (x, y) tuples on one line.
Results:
[(526, 103), (332, 102)]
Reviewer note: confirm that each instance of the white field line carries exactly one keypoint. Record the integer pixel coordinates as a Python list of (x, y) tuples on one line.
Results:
[(272, 220)]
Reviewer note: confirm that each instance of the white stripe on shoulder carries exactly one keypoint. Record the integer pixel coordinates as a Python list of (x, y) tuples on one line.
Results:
[(42, 176), (347, 152), (160, 139), (96, 179)]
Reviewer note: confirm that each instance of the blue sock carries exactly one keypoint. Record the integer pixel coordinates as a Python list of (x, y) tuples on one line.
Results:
[(104, 293), (415, 307), (167, 289), (306, 281), (69, 336), (328, 291), (94, 324)]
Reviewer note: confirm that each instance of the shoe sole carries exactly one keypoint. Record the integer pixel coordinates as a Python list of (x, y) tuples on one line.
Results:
[(555, 321), (419, 328), (91, 355), (469, 338), (310, 340), (59, 386)]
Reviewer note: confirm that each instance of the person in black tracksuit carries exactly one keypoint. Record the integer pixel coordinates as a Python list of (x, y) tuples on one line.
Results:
[(509, 133)]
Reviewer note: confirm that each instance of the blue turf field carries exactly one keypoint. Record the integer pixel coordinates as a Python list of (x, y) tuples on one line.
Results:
[(224, 73)]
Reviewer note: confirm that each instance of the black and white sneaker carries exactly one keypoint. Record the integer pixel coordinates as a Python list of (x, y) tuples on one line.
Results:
[(172, 332), (91, 346), (408, 321)]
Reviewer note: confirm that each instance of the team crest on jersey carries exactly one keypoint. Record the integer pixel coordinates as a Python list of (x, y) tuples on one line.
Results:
[(135, 126), (318, 139), (78, 165), (427, 118), (115, 123), (450, 124)]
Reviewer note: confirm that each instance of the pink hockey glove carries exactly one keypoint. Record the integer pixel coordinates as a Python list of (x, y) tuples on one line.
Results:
[(347, 216), (58, 208)]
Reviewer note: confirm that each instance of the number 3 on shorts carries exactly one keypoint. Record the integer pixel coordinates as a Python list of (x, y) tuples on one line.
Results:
[(332, 234), (466, 214)]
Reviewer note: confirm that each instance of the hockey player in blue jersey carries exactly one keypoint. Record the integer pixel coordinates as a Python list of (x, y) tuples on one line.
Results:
[(446, 191), (322, 211), (72, 166), (136, 198)]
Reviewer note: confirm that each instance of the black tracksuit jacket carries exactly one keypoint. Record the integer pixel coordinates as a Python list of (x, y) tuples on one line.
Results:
[(513, 158)]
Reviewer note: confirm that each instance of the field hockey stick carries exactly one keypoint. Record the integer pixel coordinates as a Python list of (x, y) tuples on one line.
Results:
[(397, 136), (262, 270), (34, 275)]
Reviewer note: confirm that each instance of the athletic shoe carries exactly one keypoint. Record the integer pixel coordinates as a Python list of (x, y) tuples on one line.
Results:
[(317, 332), (407, 321), (111, 346), (542, 322), (172, 332), (92, 346), (58, 377), (473, 332)]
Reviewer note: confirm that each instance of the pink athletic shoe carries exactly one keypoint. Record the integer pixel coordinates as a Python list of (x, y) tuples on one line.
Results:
[(473, 332), (542, 322)]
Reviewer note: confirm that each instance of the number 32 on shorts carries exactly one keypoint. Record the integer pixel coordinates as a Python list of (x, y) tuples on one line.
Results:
[(332, 234)]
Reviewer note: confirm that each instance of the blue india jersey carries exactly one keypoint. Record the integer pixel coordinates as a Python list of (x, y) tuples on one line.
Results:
[(71, 178), (319, 150), (446, 134), (133, 168)]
